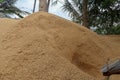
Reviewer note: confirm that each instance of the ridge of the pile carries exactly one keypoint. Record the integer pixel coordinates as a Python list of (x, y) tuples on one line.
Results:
[(43, 46)]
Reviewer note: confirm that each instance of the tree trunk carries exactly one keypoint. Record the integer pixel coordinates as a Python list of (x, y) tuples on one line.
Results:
[(85, 14), (48, 4), (43, 5), (34, 6)]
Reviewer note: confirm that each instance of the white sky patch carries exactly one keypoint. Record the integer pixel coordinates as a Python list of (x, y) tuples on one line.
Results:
[(27, 5)]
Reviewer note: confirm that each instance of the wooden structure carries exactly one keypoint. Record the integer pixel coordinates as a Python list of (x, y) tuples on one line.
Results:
[(112, 68)]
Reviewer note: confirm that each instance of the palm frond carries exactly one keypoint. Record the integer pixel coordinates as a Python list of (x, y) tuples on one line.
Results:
[(67, 7), (8, 7), (54, 2)]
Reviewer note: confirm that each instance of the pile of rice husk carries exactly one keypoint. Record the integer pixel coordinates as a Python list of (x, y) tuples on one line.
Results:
[(43, 46), (114, 42), (114, 77)]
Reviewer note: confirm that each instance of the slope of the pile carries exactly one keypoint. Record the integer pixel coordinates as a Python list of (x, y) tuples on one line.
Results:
[(115, 77), (6, 25), (45, 47), (114, 42)]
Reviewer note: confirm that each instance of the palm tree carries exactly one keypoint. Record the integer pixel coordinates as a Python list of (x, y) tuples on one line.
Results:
[(77, 10), (103, 15), (43, 5), (34, 6), (8, 7), (85, 13)]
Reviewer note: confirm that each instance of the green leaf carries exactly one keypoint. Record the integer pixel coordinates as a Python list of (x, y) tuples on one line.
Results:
[(1, 1)]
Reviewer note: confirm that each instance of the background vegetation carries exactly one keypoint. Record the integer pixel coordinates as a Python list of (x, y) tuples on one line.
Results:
[(102, 16)]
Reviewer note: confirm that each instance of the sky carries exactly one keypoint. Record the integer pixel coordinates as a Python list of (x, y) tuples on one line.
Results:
[(27, 5)]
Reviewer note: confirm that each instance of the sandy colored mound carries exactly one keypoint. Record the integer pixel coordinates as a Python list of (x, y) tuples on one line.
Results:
[(114, 42), (115, 77), (45, 47), (6, 25)]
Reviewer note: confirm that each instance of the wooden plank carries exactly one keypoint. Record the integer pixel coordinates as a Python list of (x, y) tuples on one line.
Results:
[(112, 68)]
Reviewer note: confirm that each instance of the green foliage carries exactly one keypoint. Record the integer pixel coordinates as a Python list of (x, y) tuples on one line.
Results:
[(115, 30), (103, 14), (74, 8), (1, 0), (110, 31)]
